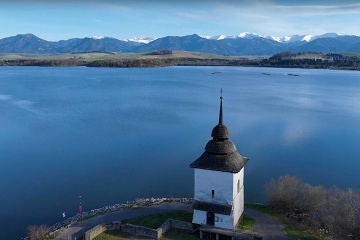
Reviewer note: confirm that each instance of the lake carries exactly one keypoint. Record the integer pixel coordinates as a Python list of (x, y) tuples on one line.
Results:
[(113, 135)]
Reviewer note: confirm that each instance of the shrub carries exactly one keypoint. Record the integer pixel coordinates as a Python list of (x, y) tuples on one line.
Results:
[(336, 210), (341, 213), (38, 232), (291, 194)]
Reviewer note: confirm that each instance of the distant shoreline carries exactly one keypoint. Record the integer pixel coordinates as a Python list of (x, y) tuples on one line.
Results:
[(111, 60)]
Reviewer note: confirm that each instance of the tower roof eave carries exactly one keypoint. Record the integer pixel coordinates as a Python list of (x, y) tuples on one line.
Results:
[(232, 163)]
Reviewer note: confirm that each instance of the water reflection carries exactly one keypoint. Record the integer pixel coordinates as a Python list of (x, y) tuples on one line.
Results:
[(112, 135)]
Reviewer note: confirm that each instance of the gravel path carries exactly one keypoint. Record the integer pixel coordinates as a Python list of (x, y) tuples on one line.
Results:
[(266, 226)]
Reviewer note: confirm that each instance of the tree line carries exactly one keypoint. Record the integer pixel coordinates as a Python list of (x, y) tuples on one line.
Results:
[(312, 60), (121, 63), (43, 62), (333, 212), (286, 59)]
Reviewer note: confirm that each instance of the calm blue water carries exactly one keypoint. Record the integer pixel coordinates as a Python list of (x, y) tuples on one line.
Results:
[(112, 135)]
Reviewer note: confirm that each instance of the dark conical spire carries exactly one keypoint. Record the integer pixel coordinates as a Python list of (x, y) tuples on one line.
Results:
[(221, 113), (220, 153), (220, 131)]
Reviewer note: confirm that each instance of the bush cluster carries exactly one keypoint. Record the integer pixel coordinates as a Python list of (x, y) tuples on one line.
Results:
[(332, 211), (38, 232)]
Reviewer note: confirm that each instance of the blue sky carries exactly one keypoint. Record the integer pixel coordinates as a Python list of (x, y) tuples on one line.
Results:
[(55, 20)]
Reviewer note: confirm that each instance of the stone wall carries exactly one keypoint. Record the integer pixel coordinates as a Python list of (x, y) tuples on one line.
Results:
[(92, 233), (136, 230), (95, 231), (181, 225), (156, 233), (164, 228), (173, 223), (139, 231)]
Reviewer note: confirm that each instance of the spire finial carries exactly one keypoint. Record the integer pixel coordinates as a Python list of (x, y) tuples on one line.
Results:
[(221, 114)]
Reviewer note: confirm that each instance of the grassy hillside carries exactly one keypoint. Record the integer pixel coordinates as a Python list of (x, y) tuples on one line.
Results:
[(105, 56), (162, 58)]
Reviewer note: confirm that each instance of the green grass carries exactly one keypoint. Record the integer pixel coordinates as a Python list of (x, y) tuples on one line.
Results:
[(155, 221), (178, 234), (247, 223), (293, 230), (117, 235), (172, 234)]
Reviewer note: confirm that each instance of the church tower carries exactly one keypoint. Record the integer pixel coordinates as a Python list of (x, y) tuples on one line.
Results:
[(219, 181)]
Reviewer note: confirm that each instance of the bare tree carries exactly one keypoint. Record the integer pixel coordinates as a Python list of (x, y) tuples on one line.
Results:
[(286, 193), (308, 199), (341, 214), (38, 232), (336, 210)]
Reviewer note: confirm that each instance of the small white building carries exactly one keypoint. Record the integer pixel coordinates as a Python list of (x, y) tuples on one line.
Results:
[(219, 181)]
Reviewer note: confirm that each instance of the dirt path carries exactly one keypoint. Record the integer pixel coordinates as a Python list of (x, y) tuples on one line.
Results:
[(266, 226)]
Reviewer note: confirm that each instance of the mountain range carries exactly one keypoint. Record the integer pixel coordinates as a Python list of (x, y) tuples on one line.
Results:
[(242, 44)]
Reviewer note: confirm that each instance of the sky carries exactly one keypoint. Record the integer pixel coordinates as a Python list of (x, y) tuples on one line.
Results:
[(55, 20)]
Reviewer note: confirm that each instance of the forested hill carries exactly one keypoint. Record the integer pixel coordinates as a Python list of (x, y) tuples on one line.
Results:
[(169, 58)]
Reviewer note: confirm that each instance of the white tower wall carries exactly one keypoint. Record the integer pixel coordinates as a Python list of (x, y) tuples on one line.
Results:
[(207, 181), (219, 188), (238, 194), (221, 221)]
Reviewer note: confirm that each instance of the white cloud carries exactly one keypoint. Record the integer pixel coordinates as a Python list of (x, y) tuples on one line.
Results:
[(159, 18), (314, 10)]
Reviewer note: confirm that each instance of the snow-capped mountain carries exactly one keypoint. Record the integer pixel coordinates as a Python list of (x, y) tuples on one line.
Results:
[(284, 39), (97, 37), (217, 37), (307, 38), (248, 35), (289, 39), (145, 40), (241, 44), (241, 35)]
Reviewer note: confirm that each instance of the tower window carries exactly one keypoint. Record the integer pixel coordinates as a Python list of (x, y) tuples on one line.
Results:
[(212, 193)]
